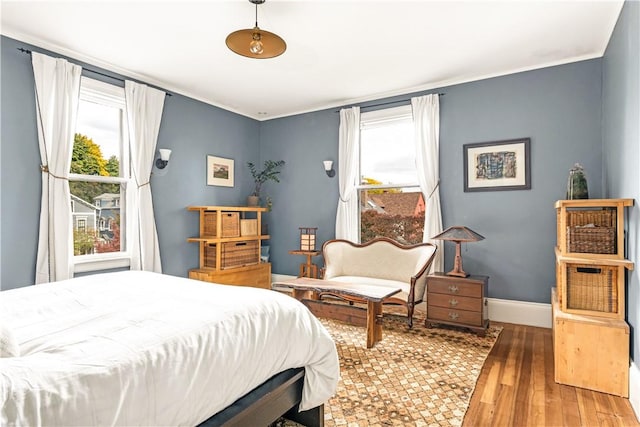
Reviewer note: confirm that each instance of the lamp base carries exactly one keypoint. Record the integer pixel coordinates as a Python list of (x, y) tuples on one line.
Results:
[(457, 264), (457, 273)]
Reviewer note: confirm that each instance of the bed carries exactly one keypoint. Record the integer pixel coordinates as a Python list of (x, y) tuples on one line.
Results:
[(140, 348)]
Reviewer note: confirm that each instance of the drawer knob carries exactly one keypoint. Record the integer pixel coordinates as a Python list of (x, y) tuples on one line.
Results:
[(453, 316), (453, 289), (453, 302)]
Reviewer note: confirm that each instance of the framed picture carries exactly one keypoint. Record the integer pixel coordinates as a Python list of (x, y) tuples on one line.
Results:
[(498, 165), (219, 171)]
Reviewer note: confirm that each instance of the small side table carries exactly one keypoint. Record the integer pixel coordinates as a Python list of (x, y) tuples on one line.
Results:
[(458, 301), (308, 269)]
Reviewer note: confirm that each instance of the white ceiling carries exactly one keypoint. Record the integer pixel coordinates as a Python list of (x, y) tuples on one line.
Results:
[(339, 52)]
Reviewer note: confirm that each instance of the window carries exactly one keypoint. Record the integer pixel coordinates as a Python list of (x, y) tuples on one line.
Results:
[(82, 224), (390, 201), (98, 175)]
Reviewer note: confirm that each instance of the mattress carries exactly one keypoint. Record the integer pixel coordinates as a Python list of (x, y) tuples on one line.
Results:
[(141, 348)]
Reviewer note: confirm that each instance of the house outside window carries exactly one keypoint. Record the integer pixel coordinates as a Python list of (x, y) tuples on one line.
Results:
[(98, 174), (390, 201)]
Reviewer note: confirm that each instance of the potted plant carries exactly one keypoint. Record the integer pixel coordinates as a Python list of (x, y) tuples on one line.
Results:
[(272, 169)]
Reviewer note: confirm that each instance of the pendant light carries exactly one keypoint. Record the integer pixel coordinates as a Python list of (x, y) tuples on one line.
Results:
[(255, 42)]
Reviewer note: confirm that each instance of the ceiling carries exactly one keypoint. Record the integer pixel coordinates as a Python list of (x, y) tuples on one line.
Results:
[(338, 52)]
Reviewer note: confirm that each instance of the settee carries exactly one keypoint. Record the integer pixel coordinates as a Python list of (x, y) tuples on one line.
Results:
[(381, 262)]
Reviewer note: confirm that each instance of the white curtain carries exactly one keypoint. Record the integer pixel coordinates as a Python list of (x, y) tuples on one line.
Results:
[(144, 112), (426, 119), (57, 89), (349, 139)]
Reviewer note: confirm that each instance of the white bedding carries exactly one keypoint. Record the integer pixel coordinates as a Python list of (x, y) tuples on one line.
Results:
[(138, 348)]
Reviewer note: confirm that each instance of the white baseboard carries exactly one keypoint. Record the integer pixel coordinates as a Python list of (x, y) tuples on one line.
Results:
[(500, 310), (634, 388), (520, 312)]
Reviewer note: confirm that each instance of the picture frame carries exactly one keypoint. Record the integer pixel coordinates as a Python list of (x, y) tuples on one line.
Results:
[(497, 165), (220, 171)]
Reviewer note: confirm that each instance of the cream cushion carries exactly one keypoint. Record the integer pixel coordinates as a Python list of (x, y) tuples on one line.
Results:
[(8, 344), (379, 263)]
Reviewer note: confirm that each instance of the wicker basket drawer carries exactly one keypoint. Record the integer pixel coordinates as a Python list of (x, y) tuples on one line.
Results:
[(454, 301), (230, 224), (238, 254), (591, 239), (590, 231), (592, 289), (450, 315)]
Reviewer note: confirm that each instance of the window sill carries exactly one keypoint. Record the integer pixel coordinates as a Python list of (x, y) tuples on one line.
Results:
[(89, 263)]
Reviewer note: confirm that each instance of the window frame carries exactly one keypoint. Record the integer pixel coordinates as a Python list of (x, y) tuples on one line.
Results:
[(103, 93), (369, 120)]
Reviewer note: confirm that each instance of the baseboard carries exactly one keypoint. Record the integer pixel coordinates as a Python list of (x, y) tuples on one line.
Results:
[(520, 312), (634, 388), (500, 310)]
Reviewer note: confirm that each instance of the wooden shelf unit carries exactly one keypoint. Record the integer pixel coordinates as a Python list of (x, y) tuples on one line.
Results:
[(591, 283), (226, 255)]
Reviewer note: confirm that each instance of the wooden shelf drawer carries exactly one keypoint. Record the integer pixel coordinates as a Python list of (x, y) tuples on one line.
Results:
[(454, 301), (450, 315), (449, 287)]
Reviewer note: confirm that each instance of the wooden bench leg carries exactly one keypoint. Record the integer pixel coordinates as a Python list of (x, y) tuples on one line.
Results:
[(374, 322)]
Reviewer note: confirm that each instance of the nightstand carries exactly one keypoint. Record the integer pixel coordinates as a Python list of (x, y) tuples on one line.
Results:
[(458, 301)]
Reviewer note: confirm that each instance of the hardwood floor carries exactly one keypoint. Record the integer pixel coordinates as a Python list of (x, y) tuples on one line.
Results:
[(517, 388)]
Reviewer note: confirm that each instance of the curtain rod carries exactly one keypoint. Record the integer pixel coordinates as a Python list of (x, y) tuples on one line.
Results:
[(380, 104), (27, 51)]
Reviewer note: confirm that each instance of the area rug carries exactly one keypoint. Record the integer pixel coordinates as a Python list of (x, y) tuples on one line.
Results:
[(418, 377)]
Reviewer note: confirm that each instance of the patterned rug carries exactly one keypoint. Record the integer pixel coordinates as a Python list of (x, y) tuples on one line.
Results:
[(418, 377)]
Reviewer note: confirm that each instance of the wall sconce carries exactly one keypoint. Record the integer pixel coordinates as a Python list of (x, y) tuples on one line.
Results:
[(163, 160), (328, 168)]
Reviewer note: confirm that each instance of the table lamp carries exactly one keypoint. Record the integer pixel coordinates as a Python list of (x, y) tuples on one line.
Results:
[(458, 234)]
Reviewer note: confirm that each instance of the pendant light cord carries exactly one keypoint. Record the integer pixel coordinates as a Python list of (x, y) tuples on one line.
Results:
[(256, 14)]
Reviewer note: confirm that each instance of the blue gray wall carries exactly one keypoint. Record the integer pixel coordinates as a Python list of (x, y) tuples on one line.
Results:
[(190, 128), (559, 108), (621, 141)]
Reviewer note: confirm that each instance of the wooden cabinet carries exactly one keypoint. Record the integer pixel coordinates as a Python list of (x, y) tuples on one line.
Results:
[(590, 352), (230, 243), (458, 301)]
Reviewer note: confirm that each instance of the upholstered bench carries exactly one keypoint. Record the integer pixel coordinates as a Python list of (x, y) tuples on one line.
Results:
[(381, 262)]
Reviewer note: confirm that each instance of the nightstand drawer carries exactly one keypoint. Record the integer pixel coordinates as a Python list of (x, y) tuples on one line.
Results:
[(454, 301), (448, 315), (450, 287)]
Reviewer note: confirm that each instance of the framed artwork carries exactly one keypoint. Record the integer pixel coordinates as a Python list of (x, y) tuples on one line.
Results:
[(219, 171), (498, 165)]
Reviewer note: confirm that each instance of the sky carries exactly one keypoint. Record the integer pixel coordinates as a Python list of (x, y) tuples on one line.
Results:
[(101, 124), (388, 153)]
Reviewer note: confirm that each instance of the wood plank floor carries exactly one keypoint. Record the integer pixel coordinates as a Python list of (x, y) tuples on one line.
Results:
[(517, 388)]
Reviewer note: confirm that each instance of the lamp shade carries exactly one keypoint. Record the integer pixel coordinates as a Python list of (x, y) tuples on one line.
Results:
[(165, 154), (459, 233), (241, 43)]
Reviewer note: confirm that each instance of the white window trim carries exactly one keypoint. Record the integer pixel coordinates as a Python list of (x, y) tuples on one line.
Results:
[(379, 118), (92, 90)]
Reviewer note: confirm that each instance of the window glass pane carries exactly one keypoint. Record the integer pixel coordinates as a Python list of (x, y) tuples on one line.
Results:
[(396, 213), (96, 226), (96, 147), (387, 154)]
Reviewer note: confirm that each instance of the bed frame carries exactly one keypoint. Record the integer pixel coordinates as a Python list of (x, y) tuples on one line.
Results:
[(277, 397)]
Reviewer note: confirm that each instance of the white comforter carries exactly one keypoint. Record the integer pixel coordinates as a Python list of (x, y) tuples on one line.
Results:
[(137, 348)]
